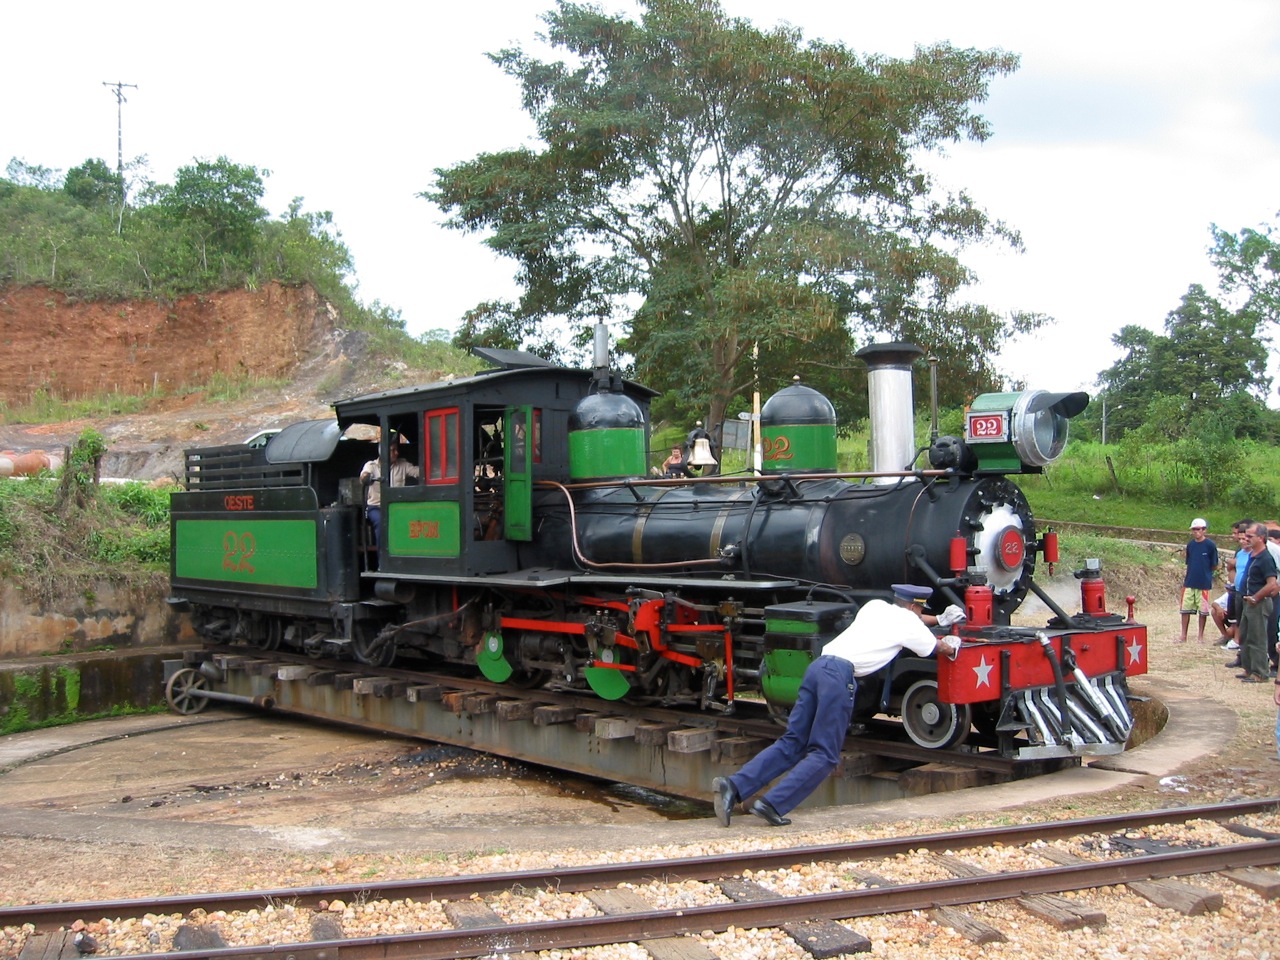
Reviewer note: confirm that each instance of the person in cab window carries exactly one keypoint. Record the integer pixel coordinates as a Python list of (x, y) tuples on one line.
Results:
[(398, 474)]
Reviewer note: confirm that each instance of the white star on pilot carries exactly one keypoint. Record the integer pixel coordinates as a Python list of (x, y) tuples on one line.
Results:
[(983, 672), (1135, 650)]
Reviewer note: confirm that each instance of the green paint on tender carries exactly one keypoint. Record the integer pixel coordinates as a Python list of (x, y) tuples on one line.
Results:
[(279, 553)]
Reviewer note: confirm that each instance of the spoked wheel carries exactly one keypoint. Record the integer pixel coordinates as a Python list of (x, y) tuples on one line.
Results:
[(183, 691), (932, 723), (367, 648)]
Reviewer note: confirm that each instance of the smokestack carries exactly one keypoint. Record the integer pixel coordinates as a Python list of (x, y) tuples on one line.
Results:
[(893, 443)]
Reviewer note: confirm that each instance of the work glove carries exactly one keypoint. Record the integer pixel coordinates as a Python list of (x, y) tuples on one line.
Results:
[(949, 647), (951, 616)]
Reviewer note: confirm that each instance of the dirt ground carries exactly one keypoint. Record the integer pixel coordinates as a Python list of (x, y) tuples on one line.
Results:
[(162, 349), (133, 818)]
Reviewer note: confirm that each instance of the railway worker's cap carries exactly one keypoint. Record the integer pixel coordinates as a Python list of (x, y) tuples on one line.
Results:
[(1200, 523), (910, 593)]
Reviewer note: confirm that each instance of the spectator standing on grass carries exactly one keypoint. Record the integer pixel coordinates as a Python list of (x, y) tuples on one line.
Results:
[(1202, 559), (1255, 606), (1273, 625), (1226, 609)]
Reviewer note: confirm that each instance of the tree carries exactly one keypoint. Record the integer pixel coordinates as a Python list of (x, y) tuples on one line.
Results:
[(93, 184), (218, 201), (1209, 363), (743, 188), (1249, 262)]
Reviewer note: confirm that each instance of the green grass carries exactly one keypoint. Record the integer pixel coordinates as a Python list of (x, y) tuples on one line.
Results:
[(44, 407)]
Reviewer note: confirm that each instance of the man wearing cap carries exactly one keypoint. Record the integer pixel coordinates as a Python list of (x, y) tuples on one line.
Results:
[(817, 724), (1202, 560), (1256, 603)]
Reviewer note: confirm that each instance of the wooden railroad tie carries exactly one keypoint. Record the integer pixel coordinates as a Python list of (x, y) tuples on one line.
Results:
[(618, 902), (1171, 894), (1063, 913), (820, 938)]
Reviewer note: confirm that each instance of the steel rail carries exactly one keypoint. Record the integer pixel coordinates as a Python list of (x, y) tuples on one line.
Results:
[(624, 928), (573, 879)]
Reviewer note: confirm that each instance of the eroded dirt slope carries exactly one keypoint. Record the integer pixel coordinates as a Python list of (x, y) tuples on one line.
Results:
[(71, 349)]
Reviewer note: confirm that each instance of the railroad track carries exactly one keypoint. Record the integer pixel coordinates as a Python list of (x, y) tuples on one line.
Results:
[(479, 915)]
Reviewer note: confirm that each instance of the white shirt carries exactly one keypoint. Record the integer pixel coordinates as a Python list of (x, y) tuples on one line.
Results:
[(878, 634), (400, 470)]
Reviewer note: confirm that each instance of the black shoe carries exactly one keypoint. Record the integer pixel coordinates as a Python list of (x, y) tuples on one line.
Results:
[(764, 810), (1234, 664), (723, 797)]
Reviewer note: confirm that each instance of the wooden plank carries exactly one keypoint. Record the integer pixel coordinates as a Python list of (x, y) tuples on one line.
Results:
[(1176, 895), (616, 728), (826, 938), (1265, 883), (736, 749), (1186, 898), (320, 678), (967, 925), (514, 709), (481, 702), (690, 740), (469, 914), (365, 685), (867, 878), (550, 714), (454, 701), (48, 946), (941, 778), (424, 693), (294, 671), (1062, 913), (586, 722), (617, 902), (653, 734), (819, 938)]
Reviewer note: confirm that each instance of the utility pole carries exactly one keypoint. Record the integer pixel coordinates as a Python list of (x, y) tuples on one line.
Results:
[(120, 100)]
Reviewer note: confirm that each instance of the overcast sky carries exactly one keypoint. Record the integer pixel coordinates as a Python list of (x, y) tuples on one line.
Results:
[(1128, 130)]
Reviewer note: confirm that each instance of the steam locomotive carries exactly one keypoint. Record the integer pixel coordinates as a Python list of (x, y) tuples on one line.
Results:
[(538, 550)]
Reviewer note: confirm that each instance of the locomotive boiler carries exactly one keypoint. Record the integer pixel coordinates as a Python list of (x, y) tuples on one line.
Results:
[(538, 550)]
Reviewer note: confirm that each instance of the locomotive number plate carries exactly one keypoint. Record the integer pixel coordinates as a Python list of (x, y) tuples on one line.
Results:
[(987, 426)]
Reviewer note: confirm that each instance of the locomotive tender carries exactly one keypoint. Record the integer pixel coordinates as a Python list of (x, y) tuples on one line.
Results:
[(537, 550)]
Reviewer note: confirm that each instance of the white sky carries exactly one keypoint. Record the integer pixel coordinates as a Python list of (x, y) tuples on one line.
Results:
[(1128, 130)]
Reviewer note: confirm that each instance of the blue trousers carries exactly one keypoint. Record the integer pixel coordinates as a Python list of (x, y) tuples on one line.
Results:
[(810, 749)]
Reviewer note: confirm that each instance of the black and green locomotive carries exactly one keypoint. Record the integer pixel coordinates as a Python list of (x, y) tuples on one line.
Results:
[(537, 549)]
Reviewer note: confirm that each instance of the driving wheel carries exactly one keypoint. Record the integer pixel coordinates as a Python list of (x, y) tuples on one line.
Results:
[(930, 722)]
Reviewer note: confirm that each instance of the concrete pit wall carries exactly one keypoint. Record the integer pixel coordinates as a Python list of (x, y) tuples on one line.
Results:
[(65, 689), (109, 619)]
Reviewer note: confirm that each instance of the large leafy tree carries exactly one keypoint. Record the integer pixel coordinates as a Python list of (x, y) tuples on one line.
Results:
[(1210, 361), (721, 187), (218, 202), (1248, 262)]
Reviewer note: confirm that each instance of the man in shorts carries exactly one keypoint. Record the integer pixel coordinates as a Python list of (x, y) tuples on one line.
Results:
[(1202, 559)]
